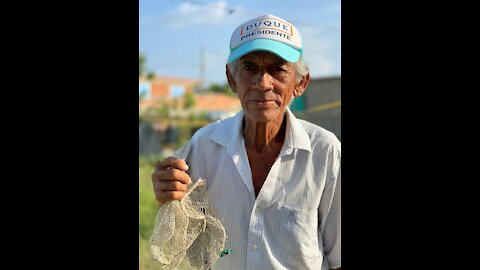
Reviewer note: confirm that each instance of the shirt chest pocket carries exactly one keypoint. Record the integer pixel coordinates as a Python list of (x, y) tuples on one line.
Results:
[(299, 216), (300, 224), (296, 235)]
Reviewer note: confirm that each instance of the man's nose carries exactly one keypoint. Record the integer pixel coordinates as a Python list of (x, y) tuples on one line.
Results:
[(264, 81)]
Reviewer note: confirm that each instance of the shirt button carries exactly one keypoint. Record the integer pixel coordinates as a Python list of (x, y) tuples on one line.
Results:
[(257, 209), (254, 247)]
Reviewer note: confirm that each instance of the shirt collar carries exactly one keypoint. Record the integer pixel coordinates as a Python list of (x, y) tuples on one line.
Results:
[(229, 134), (297, 137)]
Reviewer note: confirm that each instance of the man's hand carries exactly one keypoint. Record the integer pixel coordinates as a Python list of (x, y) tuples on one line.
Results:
[(170, 179)]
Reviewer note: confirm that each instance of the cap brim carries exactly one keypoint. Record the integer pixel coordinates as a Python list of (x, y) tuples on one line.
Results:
[(284, 51)]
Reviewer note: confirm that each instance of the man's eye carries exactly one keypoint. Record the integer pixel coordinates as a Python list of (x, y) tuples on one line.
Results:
[(247, 67)]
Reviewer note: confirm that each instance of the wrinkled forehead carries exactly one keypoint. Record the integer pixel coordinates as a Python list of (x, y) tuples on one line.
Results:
[(263, 56)]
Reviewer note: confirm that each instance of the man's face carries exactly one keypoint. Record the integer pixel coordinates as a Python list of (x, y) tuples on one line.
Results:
[(265, 85)]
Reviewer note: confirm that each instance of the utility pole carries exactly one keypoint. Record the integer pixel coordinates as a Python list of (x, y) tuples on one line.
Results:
[(202, 68)]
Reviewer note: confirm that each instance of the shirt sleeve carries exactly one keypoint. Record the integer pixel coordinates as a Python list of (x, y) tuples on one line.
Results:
[(330, 216)]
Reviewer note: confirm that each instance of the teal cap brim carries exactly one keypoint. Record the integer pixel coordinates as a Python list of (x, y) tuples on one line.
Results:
[(284, 51)]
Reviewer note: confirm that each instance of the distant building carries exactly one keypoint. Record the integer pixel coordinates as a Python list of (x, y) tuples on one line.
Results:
[(163, 89), (217, 106)]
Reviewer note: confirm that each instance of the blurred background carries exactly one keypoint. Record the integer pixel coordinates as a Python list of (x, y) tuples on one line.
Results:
[(183, 49)]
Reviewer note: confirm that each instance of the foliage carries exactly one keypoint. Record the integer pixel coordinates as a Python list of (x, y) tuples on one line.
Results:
[(199, 116), (220, 88), (142, 67), (151, 75), (163, 110), (147, 211), (189, 100), (142, 59)]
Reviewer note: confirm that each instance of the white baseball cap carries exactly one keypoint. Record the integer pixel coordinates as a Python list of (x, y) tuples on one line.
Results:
[(266, 33)]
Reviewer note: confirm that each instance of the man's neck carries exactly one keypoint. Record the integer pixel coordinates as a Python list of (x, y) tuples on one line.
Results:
[(264, 136)]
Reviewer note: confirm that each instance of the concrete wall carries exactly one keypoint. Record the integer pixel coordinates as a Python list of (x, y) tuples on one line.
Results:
[(325, 91)]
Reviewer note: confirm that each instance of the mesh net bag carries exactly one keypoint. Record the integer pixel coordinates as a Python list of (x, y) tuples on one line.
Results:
[(188, 230)]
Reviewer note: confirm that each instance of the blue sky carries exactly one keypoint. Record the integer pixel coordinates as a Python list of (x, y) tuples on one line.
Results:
[(172, 33)]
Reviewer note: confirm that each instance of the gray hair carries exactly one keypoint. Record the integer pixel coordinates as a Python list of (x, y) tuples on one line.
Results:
[(301, 68)]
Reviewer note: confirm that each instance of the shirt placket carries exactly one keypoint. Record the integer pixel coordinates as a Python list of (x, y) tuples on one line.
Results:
[(256, 251)]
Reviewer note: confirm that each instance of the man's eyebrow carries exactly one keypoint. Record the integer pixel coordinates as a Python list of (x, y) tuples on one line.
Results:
[(243, 62)]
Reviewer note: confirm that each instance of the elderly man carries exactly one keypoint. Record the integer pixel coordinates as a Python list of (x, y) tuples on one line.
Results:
[(273, 180)]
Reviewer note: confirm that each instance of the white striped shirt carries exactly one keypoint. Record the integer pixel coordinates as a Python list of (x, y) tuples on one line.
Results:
[(294, 223)]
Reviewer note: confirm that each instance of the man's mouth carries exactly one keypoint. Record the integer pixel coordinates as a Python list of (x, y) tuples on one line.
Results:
[(264, 101)]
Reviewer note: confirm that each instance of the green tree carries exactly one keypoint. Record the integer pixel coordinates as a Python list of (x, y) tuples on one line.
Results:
[(151, 75), (142, 59), (220, 88), (142, 67), (189, 100), (163, 111)]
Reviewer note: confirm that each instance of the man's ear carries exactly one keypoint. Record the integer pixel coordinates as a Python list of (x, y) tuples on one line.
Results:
[(230, 79), (301, 86)]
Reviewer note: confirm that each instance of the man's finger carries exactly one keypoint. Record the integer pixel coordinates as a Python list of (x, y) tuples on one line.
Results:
[(172, 174), (162, 186), (172, 162)]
